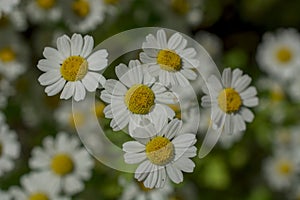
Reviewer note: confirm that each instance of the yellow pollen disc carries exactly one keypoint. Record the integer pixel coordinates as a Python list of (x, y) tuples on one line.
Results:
[(7, 54), (139, 99), (81, 8), (180, 6), (284, 55), (169, 60), (277, 95), (46, 4), (76, 119), (99, 107), (62, 164), (160, 150), (74, 68), (176, 109), (284, 168), (38, 196), (229, 100), (142, 186)]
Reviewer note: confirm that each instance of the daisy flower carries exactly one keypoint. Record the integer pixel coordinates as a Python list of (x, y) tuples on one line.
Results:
[(162, 153), (72, 68), (278, 54), (9, 147), (229, 98), (169, 60), (280, 170), (135, 98), (37, 186), (5, 195), (65, 161), (83, 15), (13, 55), (40, 11), (7, 6), (136, 190)]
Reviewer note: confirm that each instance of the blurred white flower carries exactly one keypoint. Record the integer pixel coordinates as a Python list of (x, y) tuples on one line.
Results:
[(6, 6), (278, 54), (5, 195), (37, 186), (64, 160), (73, 68)]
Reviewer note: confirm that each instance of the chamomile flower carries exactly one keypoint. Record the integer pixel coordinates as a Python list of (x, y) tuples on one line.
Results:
[(73, 68), (135, 98), (13, 55), (169, 59), (5, 195), (40, 11), (7, 6), (9, 147), (280, 170), (83, 15), (37, 186), (64, 160), (162, 153), (136, 190), (278, 53), (229, 98)]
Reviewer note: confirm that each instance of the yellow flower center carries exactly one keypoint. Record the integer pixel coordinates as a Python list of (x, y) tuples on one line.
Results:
[(176, 109), (277, 95), (169, 60), (229, 100), (46, 4), (76, 119), (139, 99), (62, 164), (7, 54), (142, 186), (99, 107), (38, 196), (81, 8), (160, 150), (180, 6), (111, 1), (74, 68), (284, 167), (284, 55)]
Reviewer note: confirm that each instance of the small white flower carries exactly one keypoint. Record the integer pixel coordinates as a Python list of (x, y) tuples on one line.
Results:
[(13, 55), (135, 98), (7, 6), (280, 170), (229, 98), (278, 54), (64, 160), (83, 15), (169, 59), (162, 153), (41, 11), (9, 147), (37, 186), (5, 195), (73, 68), (136, 190)]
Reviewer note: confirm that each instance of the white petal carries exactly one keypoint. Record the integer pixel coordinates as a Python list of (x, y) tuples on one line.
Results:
[(55, 88), (251, 102), (184, 140), (98, 60), (215, 83), (90, 83), (134, 158), (79, 91), (142, 170), (115, 87), (161, 38), (152, 178), (226, 77), (146, 59), (174, 41), (248, 93), (63, 46), (242, 83), (247, 115), (189, 74), (185, 164), (68, 90), (120, 70), (236, 74), (175, 175), (239, 123), (172, 128), (133, 147), (52, 54), (183, 82), (73, 185), (76, 44), (48, 65), (88, 46), (49, 77)]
